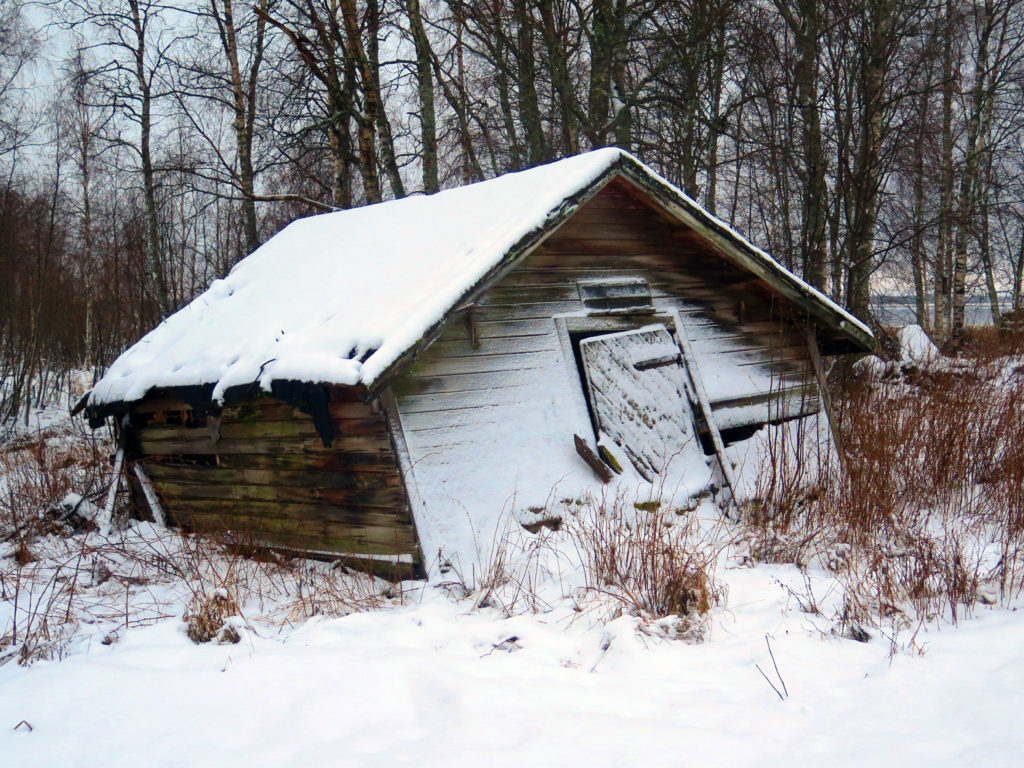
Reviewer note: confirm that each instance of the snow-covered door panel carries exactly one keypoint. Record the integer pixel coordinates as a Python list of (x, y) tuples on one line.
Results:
[(638, 395)]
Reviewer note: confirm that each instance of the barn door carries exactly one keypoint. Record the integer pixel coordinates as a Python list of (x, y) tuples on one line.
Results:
[(638, 397)]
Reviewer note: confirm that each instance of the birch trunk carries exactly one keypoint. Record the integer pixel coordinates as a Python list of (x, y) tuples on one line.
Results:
[(153, 250), (244, 109), (942, 256), (917, 264), (425, 89), (970, 181)]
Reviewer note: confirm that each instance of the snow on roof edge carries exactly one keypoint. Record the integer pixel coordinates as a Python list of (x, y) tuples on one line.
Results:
[(539, 195)]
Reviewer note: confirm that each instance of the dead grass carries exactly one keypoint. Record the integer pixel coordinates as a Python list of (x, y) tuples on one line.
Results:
[(206, 617), (82, 583), (986, 343), (928, 519), (610, 557), (62, 583), (649, 561)]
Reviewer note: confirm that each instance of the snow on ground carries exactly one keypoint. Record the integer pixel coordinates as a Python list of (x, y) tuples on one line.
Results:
[(425, 684), (431, 679), (52, 414)]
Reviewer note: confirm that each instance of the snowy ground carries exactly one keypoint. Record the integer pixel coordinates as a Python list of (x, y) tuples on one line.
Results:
[(424, 684), (429, 678)]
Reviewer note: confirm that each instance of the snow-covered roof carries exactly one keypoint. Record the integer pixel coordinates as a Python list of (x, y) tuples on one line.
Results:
[(340, 297)]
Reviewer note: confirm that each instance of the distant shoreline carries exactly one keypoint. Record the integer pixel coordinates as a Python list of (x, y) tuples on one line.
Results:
[(902, 310)]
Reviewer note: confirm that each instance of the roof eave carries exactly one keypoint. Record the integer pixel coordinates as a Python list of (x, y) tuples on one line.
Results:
[(747, 256)]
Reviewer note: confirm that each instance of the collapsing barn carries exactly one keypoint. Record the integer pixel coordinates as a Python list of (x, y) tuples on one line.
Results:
[(388, 382)]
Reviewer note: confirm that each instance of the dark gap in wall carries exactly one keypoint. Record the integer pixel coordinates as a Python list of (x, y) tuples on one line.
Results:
[(189, 460), (729, 436), (575, 337)]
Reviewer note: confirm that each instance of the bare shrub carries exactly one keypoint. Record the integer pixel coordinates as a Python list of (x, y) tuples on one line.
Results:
[(206, 617), (929, 511), (796, 462), (39, 469), (322, 590), (651, 563), (522, 570), (610, 557), (279, 588), (86, 583)]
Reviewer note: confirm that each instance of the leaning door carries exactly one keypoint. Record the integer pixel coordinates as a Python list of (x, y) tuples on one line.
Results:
[(638, 397)]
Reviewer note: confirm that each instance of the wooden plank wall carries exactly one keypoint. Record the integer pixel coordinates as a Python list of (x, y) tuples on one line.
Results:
[(489, 410), (733, 323), (269, 477)]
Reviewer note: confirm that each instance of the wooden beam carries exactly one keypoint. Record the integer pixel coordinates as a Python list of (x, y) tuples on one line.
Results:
[(693, 368), (826, 397), (406, 470), (593, 460)]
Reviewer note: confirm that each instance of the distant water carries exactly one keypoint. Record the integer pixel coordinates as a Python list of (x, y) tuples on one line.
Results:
[(901, 310)]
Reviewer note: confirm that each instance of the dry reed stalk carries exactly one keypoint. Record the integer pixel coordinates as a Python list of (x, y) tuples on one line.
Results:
[(934, 481)]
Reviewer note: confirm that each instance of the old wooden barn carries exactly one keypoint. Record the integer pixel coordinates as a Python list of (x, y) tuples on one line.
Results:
[(395, 381)]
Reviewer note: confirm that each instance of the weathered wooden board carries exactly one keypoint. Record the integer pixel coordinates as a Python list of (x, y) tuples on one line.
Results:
[(544, 310), (201, 443), (269, 477), (223, 475), (439, 402), (313, 461), (442, 365), (299, 427), (499, 329), (272, 410), (489, 345), (282, 496), (426, 382), (441, 428), (302, 534), (257, 410)]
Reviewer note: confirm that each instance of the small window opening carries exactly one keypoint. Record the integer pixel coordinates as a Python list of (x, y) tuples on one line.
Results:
[(179, 418), (737, 434), (616, 295)]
